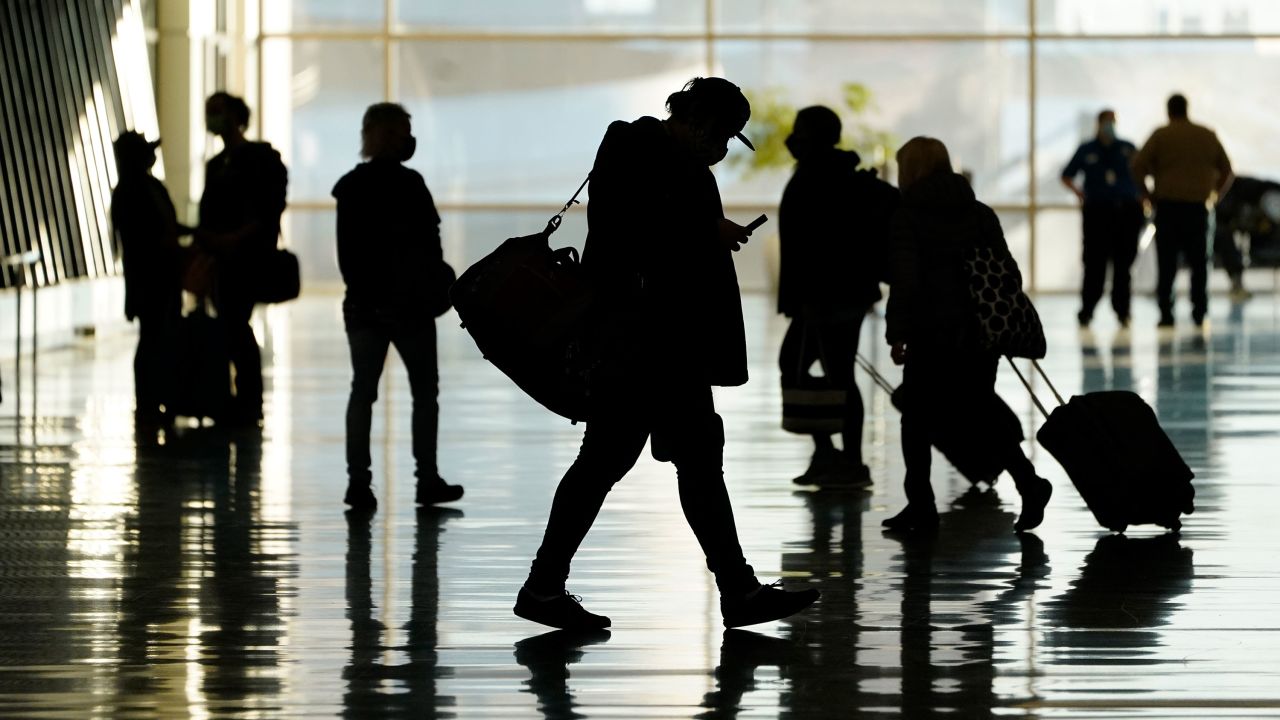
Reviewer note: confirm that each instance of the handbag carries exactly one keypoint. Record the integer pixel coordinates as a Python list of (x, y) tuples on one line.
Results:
[(1008, 321), (811, 405), (525, 305), (279, 277)]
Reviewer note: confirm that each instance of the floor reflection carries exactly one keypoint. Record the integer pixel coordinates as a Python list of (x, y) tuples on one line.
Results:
[(202, 573)]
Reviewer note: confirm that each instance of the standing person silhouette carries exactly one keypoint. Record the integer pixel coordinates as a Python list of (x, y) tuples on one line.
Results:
[(933, 330), (388, 246), (1188, 165), (244, 196), (1112, 217), (833, 224), (659, 253), (147, 230)]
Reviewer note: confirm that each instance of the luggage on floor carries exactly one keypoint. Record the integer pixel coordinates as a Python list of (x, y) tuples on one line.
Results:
[(203, 388), (1119, 458), (970, 452), (524, 304)]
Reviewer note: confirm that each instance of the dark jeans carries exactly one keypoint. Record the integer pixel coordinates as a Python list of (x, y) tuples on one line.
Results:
[(416, 342), (684, 422), (833, 345), (1182, 230), (155, 362), (955, 392), (1111, 232), (234, 312)]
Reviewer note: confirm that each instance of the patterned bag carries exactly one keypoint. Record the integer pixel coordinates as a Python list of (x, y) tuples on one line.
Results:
[(1010, 324)]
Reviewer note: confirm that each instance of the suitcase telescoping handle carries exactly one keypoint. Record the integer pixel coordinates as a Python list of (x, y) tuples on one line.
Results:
[(1032, 392)]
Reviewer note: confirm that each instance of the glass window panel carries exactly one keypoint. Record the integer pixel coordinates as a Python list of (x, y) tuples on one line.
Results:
[(554, 15), (312, 235), (1059, 266), (314, 96), (1158, 17), (972, 95), (1016, 225), (520, 121), (1076, 78), (871, 16), (280, 16)]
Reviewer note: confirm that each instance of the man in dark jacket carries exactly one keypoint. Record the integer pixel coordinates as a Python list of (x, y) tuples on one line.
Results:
[(834, 232), (659, 252), (147, 230), (244, 196)]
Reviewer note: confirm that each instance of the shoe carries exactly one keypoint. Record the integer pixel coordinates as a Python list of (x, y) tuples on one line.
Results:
[(1198, 319), (360, 497), (559, 611), (822, 462), (764, 604), (912, 520), (1166, 321), (833, 469), (1123, 320), (1084, 318), (439, 491), (1034, 498)]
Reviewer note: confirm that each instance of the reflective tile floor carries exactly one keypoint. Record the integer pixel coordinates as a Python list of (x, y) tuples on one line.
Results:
[(216, 575)]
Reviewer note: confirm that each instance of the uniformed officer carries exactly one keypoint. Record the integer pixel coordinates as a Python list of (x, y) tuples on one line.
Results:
[(1113, 217)]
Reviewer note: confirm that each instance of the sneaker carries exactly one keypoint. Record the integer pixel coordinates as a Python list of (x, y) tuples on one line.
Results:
[(764, 604), (823, 460), (439, 491), (1034, 498), (912, 520), (848, 475), (1166, 321), (360, 497), (1084, 318), (558, 611)]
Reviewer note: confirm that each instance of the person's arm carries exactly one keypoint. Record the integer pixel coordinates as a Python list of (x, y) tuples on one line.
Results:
[(904, 285), (1223, 164), (1071, 170), (1143, 165), (429, 221)]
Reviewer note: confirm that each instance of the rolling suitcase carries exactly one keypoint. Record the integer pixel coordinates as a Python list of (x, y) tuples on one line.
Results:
[(203, 388), (970, 454), (1118, 457)]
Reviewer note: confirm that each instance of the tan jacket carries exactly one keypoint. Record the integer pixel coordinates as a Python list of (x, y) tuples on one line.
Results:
[(1186, 160)]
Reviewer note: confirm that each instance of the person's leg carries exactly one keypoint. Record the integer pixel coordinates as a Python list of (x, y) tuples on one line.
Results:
[(368, 344), (610, 447), (794, 360), (917, 452), (147, 378), (839, 346), (1195, 248), (1167, 248), (1124, 251), (1095, 231), (234, 313), (416, 343)]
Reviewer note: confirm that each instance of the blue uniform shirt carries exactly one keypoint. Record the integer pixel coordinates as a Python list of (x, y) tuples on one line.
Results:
[(1107, 177)]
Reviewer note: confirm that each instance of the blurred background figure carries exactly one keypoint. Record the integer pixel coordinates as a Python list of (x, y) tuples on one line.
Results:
[(146, 233), (244, 196), (388, 248), (1249, 209), (1188, 165), (833, 235), (1112, 216)]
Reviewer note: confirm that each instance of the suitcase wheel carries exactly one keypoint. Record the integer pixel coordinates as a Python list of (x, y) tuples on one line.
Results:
[(1118, 528)]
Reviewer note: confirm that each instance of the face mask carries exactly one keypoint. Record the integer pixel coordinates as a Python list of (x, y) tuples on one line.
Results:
[(216, 124), (1107, 130), (410, 146)]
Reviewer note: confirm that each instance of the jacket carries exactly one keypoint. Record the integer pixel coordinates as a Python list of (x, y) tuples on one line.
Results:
[(929, 305), (833, 226), (146, 227), (661, 276), (388, 240)]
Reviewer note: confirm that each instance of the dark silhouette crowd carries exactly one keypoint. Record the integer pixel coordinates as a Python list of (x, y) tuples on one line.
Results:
[(666, 321)]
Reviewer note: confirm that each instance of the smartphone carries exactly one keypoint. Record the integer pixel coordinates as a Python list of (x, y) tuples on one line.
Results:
[(751, 227)]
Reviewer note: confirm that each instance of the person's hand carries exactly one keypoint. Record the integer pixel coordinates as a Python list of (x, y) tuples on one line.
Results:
[(732, 235), (899, 353)]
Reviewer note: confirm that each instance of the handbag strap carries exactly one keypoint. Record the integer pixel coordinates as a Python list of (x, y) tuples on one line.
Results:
[(876, 377), (1032, 392), (554, 223)]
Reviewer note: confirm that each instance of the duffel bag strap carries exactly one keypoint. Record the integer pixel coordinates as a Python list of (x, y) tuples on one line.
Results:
[(554, 223)]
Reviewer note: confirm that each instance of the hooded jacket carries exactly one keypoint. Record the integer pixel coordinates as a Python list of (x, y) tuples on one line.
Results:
[(663, 280), (833, 225), (388, 240), (929, 305)]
